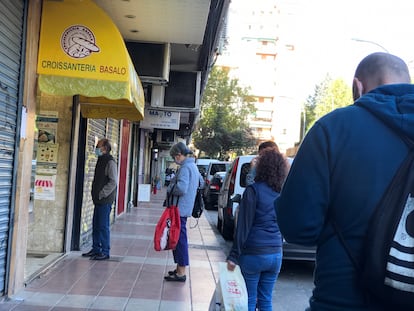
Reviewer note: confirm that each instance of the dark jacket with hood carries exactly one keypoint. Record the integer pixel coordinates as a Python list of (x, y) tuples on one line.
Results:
[(343, 167)]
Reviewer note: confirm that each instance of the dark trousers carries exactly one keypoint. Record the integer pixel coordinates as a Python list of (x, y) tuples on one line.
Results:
[(100, 228), (181, 251)]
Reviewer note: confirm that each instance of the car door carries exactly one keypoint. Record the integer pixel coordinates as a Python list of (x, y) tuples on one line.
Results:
[(223, 195)]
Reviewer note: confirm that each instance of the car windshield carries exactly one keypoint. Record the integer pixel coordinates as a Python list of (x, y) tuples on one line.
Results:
[(218, 167), (202, 168)]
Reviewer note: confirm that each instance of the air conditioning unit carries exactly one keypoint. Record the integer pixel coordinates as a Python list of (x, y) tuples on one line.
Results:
[(183, 90), (165, 136), (157, 96), (151, 61)]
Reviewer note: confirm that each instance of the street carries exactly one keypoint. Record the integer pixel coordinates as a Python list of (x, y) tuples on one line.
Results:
[(294, 285)]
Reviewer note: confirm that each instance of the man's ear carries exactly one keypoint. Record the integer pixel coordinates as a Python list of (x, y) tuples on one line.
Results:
[(357, 89)]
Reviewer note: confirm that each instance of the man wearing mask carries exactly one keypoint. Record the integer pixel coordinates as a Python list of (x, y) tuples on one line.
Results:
[(184, 187), (103, 195)]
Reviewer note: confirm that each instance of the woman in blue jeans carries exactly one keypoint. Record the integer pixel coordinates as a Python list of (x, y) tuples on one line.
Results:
[(257, 246)]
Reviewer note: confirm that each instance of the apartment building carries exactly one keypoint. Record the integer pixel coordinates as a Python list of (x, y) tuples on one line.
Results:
[(257, 49)]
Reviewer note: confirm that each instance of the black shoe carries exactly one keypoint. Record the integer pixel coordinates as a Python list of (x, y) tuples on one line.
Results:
[(91, 253), (175, 278), (100, 257), (172, 272)]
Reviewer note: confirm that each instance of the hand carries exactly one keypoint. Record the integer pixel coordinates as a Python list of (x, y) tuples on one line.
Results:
[(230, 265)]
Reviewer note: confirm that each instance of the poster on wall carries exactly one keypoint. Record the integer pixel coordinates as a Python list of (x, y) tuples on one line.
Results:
[(47, 122), (45, 186), (47, 153), (46, 156)]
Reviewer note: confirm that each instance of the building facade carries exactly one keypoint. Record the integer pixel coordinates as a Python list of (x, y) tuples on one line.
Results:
[(69, 75), (256, 49)]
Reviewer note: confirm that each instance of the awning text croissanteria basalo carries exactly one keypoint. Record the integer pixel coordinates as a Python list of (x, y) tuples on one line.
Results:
[(81, 52)]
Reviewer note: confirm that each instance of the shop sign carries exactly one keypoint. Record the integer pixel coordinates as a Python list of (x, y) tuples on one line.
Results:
[(161, 119)]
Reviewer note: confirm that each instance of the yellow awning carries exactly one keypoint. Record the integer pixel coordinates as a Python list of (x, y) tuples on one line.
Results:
[(81, 52)]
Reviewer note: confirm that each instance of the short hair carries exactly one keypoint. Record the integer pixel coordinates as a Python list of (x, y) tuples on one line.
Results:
[(105, 143), (379, 67), (180, 148)]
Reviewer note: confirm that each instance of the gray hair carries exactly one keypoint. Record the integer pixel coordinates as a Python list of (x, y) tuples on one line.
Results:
[(180, 148)]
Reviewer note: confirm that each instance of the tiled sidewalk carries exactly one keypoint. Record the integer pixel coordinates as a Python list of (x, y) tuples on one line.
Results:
[(133, 278)]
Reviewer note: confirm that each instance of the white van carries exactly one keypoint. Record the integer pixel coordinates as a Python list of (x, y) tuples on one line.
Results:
[(229, 197), (202, 165), (233, 187)]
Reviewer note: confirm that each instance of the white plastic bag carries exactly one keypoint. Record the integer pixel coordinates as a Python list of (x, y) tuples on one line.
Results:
[(231, 291), (216, 302)]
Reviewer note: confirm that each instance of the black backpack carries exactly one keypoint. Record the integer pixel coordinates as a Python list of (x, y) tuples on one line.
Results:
[(198, 204), (387, 270)]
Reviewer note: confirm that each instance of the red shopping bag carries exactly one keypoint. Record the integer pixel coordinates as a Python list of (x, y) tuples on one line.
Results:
[(167, 231)]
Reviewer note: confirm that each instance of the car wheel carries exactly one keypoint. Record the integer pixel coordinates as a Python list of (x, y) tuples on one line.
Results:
[(227, 231)]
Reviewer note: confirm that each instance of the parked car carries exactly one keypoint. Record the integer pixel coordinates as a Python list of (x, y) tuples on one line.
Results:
[(298, 252), (214, 167), (202, 165), (290, 251), (213, 189), (228, 203), (233, 185)]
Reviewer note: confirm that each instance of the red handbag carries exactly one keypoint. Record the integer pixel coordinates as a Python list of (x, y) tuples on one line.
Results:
[(167, 231)]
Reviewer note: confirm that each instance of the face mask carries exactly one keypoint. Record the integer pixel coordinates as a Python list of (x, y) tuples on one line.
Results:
[(98, 152), (177, 161)]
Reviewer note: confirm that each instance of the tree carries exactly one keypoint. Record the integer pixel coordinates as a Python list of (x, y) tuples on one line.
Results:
[(223, 127), (328, 96)]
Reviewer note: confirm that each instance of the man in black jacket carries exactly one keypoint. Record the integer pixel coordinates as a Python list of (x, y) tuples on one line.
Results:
[(103, 195)]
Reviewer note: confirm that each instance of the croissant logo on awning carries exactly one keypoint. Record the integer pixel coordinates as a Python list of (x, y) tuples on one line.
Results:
[(82, 52), (78, 41)]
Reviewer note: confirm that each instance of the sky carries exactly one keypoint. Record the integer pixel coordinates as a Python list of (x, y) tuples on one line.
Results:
[(324, 32)]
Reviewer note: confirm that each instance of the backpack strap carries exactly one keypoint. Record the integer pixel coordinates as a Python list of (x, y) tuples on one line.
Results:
[(198, 193), (170, 197), (343, 242), (405, 165), (395, 182)]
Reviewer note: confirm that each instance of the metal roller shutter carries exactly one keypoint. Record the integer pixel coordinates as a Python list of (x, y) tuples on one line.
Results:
[(95, 128), (11, 33)]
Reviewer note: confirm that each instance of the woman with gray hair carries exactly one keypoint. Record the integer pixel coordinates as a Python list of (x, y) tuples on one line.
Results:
[(184, 187)]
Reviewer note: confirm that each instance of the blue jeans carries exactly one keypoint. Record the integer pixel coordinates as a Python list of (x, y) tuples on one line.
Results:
[(260, 273), (181, 251), (100, 228)]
